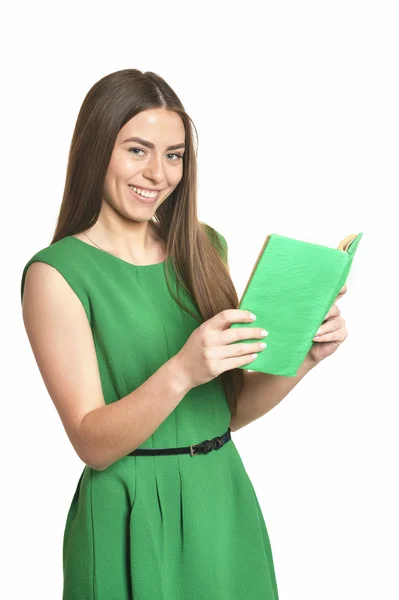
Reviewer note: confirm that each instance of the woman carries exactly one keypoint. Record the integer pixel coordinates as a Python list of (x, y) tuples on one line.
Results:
[(128, 313)]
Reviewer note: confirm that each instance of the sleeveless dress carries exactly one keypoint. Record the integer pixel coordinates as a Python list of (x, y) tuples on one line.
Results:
[(167, 527)]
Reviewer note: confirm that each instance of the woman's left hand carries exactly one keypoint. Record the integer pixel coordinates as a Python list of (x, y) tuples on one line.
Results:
[(331, 334)]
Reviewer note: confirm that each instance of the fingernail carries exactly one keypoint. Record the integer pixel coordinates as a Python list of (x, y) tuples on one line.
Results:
[(318, 331), (252, 316)]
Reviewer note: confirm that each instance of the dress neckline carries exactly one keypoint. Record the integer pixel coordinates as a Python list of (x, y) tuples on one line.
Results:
[(121, 260)]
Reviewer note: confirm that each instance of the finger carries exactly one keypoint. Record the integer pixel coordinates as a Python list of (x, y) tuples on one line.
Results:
[(329, 327), (234, 334), (334, 336), (333, 312), (342, 291), (241, 349), (225, 318)]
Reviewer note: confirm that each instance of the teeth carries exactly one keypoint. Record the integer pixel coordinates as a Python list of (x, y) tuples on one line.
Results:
[(144, 193)]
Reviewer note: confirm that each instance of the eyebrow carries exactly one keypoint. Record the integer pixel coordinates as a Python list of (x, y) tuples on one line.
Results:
[(150, 144)]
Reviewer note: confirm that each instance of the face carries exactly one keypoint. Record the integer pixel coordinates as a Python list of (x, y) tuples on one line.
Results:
[(152, 163)]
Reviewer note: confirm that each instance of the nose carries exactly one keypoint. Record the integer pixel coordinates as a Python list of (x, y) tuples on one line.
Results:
[(154, 168)]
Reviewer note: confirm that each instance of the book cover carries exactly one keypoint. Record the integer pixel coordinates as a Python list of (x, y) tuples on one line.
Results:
[(291, 288)]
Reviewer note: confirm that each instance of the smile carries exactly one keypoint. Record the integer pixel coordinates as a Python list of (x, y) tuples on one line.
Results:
[(143, 195)]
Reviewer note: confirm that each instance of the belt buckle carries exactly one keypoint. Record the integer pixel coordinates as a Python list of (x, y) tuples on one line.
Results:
[(217, 443), (202, 448), (206, 446)]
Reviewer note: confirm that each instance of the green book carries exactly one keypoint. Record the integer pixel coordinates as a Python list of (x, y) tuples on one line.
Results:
[(292, 287)]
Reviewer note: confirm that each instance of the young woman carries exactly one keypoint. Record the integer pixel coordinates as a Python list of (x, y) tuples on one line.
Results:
[(128, 313)]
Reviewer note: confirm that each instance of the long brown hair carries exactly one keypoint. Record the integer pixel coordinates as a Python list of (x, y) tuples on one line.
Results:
[(198, 255)]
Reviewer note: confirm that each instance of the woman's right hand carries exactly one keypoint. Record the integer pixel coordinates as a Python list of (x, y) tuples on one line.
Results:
[(209, 350)]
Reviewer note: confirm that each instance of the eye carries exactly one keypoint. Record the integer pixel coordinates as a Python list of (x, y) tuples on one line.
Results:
[(133, 151), (179, 156), (139, 149)]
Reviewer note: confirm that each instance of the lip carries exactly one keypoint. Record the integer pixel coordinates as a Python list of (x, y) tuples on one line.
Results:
[(146, 188), (141, 198)]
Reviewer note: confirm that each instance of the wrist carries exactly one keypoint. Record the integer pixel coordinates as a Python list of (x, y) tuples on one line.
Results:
[(308, 363), (180, 380)]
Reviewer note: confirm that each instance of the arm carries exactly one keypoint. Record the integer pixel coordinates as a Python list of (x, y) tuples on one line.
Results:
[(262, 392), (112, 431), (63, 346)]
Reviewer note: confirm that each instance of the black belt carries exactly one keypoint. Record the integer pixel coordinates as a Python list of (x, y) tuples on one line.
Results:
[(201, 448)]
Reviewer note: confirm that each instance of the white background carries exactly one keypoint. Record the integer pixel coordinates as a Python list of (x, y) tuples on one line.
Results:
[(296, 108)]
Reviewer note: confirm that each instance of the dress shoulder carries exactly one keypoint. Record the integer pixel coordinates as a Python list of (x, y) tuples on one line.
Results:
[(62, 256)]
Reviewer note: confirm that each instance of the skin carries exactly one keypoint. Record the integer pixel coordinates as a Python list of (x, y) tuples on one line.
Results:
[(332, 333), (122, 226)]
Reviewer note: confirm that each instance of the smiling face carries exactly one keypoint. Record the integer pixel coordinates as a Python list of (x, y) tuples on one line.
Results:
[(152, 162)]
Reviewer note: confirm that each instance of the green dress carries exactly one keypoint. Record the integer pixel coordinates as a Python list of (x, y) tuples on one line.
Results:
[(168, 527)]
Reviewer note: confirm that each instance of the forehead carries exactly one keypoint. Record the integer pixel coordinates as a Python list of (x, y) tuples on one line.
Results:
[(154, 124)]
